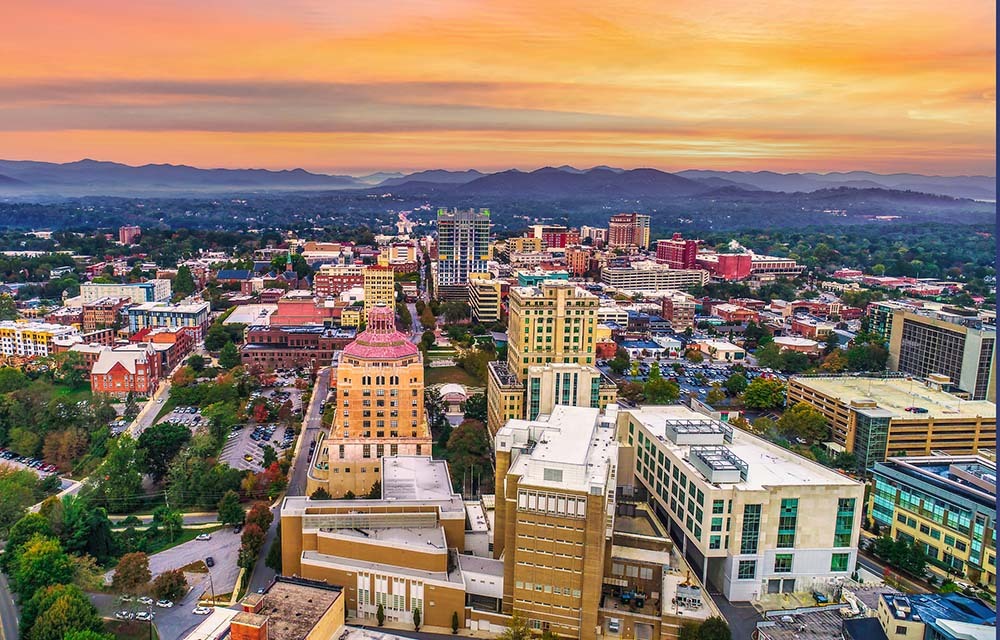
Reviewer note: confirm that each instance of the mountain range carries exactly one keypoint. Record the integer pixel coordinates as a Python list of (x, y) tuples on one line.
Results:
[(26, 179)]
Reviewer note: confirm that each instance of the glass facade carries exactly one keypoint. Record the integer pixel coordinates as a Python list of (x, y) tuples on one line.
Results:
[(845, 523), (787, 520), (871, 435), (751, 529)]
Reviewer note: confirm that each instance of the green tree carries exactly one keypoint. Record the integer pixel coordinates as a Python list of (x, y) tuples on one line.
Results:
[(159, 444), (229, 357), (517, 629), (86, 529), (87, 634), (804, 421), (273, 559), (30, 525), (694, 355), (197, 362), (867, 357), (320, 494), (715, 395), (119, 482), (469, 451), (475, 407), (427, 319), (41, 562), (454, 622), (132, 573), (171, 521), (764, 393), (380, 615), (661, 391), (714, 628), (17, 493), (230, 509), (416, 619), (769, 356), (184, 282), (216, 337), (633, 392), (375, 493), (12, 379), (735, 384), (620, 363), (70, 612), (170, 585)]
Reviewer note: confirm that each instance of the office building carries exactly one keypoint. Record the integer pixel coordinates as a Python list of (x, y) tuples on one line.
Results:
[(552, 323), (598, 235), (931, 616), (463, 249), (137, 292), (271, 347), (880, 417), (380, 288), (553, 236), (650, 276), (752, 517), (105, 313), (379, 400), (960, 347), (677, 253), (555, 509), (25, 340), (129, 234), (154, 314), (484, 299), (947, 505), (331, 280), (628, 229)]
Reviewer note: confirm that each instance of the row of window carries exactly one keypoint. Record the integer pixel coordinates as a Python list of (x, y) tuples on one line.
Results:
[(547, 588), (747, 569)]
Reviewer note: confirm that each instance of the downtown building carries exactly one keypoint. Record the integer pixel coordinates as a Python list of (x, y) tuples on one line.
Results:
[(628, 229), (378, 409), (677, 253), (21, 341), (137, 292), (551, 333), (172, 316), (650, 276), (463, 248)]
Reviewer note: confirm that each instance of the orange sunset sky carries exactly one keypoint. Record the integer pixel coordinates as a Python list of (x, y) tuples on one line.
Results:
[(363, 85)]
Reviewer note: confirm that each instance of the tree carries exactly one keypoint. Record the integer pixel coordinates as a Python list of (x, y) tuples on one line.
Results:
[(273, 560), (170, 585), (320, 494), (12, 379), (58, 612), (380, 615), (475, 407), (375, 493), (40, 563), (715, 395), (517, 629), (620, 363), (835, 362), (714, 628), (25, 529), (132, 573), (184, 282), (159, 444), (17, 493), (735, 384), (8, 310), (689, 631), (251, 542), (804, 421), (454, 622), (268, 456), (197, 362), (229, 357), (469, 450), (661, 391), (119, 482), (87, 529), (260, 514), (867, 357), (694, 355), (87, 634), (416, 619), (764, 393), (427, 319), (427, 339), (230, 509), (632, 392), (769, 356)]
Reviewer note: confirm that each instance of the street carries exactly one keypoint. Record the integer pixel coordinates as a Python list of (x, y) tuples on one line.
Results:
[(8, 612)]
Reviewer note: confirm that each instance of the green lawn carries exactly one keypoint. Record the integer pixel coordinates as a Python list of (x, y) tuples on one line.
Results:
[(73, 394), (162, 543), (130, 630), (168, 405), (442, 375)]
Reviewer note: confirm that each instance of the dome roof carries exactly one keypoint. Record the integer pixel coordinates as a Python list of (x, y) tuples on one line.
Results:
[(380, 339), (453, 388)]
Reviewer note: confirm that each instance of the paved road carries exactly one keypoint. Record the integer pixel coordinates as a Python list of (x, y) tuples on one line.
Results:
[(741, 616), (172, 623), (312, 423), (205, 517), (8, 612)]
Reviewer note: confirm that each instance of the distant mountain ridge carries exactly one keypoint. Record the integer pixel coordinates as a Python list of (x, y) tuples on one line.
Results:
[(94, 177)]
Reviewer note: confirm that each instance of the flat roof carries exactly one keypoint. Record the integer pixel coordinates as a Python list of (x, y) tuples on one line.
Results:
[(426, 539), (303, 505), (315, 557), (415, 478), (896, 394), (294, 609), (813, 624), (251, 314), (767, 463), (214, 625)]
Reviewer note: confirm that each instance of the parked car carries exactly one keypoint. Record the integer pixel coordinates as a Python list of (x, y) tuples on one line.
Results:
[(145, 615), (145, 600), (124, 615), (202, 611), (210, 561), (164, 604)]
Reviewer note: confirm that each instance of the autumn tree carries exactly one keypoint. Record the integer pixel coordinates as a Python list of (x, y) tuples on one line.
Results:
[(132, 573), (40, 563), (170, 585)]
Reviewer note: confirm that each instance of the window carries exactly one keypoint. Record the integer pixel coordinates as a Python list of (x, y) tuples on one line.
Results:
[(838, 561), (787, 520), (751, 529), (714, 542), (718, 506), (747, 570), (900, 630), (844, 530), (783, 563)]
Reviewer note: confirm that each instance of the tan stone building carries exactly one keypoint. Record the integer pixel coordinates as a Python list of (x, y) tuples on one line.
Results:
[(552, 323), (380, 287), (378, 409)]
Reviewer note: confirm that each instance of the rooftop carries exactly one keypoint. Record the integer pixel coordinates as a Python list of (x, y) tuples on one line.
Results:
[(936, 609), (251, 314), (424, 539), (294, 607), (814, 623), (971, 476), (415, 478), (896, 394), (317, 558), (766, 464)]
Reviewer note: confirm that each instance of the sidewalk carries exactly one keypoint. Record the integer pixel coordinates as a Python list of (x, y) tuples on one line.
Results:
[(406, 628)]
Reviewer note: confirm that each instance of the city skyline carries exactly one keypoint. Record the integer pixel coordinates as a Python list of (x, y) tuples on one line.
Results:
[(335, 87)]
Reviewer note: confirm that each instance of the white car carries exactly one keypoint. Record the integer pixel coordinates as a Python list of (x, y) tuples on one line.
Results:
[(204, 536), (164, 604), (145, 600), (144, 615), (202, 611)]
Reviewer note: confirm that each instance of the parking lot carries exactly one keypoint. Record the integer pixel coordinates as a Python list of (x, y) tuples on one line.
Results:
[(23, 462), (187, 416), (244, 448), (696, 379)]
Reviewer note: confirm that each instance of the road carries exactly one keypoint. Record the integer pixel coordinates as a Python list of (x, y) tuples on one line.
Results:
[(311, 424), (8, 612), (415, 329), (869, 563)]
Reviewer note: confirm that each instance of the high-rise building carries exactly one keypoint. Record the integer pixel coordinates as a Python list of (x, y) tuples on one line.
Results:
[(137, 292), (484, 299), (947, 506), (942, 342), (552, 323), (677, 253), (598, 235), (577, 260), (332, 280), (380, 288), (463, 249), (30, 339), (625, 229), (560, 476), (552, 236), (751, 517), (129, 234), (678, 310), (878, 417), (379, 408)]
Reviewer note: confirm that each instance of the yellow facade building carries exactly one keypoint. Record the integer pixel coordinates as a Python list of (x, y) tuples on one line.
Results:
[(380, 288), (24, 340)]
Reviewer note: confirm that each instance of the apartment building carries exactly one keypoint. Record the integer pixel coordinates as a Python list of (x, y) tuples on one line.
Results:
[(625, 229), (154, 314), (380, 288), (958, 346), (552, 323), (129, 234), (677, 253), (157, 290), (880, 417), (484, 298), (283, 347), (104, 313), (947, 505), (650, 276), (379, 408), (462, 249), (332, 280), (25, 340), (555, 508), (751, 517)]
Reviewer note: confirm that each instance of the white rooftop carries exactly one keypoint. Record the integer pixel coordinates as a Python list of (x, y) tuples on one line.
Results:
[(768, 464), (426, 539), (415, 478), (251, 314)]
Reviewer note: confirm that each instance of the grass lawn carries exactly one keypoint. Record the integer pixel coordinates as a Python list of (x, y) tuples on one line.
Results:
[(442, 375), (130, 629), (168, 405), (73, 394), (163, 543)]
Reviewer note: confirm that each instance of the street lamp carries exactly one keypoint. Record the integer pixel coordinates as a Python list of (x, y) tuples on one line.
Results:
[(211, 584)]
